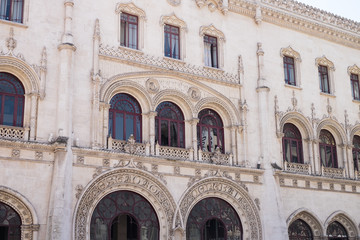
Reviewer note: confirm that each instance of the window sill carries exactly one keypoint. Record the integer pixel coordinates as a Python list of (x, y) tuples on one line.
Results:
[(293, 86), (327, 95), (174, 60), (16, 24), (356, 101), (213, 69), (131, 49)]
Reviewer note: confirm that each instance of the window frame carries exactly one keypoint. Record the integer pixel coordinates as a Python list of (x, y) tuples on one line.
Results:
[(354, 78), (171, 34), (288, 70), (127, 30), (302, 224), (325, 146), (321, 63), (322, 79), (289, 52), (207, 39), (213, 32), (8, 11), (298, 140), (356, 150)]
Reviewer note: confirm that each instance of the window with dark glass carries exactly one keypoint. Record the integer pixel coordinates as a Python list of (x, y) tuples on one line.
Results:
[(210, 131), (336, 231), (300, 230), (292, 144), (124, 117), (289, 70), (169, 125), (129, 31), (355, 86), (215, 219), (11, 100), (172, 41), (327, 147), (210, 51), (356, 152), (324, 79), (12, 10), (124, 215), (10, 223)]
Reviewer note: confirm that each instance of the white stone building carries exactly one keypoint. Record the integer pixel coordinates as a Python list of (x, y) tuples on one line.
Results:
[(178, 119)]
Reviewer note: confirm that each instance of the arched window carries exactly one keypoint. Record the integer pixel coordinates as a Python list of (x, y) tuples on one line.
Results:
[(124, 215), (356, 152), (169, 125), (11, 100), (300, 230), (327, 147), (10, 223), (336, 231), (213, 218), (124, 117), (292, 144), (210, 131)]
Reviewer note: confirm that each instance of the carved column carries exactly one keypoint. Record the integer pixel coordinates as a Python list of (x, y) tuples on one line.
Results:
[(345, 160), (194, 123), (351, 167), (316, 154), (43, 70), (240, 145), (33, 115), (233, 144), (104, 112), (152, 116), (311, 155)]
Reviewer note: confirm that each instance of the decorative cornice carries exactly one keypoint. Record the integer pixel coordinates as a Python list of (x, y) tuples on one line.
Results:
[(130, 8), (354, 69), (173, 20), (133, 57), (213, 5), (303, 18), (325, 62), (288, 51), (212, 31)]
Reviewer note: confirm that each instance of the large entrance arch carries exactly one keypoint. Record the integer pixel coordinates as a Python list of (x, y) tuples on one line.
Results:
[(141, 184)]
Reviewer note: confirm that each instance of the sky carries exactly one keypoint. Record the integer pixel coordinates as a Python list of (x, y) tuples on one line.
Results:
[(345, 8)]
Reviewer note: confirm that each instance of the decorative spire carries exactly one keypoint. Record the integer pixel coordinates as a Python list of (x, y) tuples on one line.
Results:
[(97, 30)]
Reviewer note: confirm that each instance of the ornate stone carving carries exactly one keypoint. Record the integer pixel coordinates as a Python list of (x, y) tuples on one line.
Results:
[(79, 189), (129, 179), (130, 146), (173, 20), (152, 85), (177, 170), (174, 2), (80, 159), (10, 41), (345, 221), (15, 153), (290, 52), (38, 155), (314, 224), (354, 69), (212, 31), (106, 162), (325, 62), (213, 5), (9, 132), (257, 202), (130, 8), (230, 192), (297, 167), (194, 94)]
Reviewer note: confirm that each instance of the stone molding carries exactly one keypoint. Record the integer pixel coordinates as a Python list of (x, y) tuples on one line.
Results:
[(303, 18), (213, 5), (174, 2), (212, 31), (324, 61), (346, 221), (135, 180), (230, 192), (130, 8), (354, 69), (308, 217), (172, 19), (25, 210), (290, 52)]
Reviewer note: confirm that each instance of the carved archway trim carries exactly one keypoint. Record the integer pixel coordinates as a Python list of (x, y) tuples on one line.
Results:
[(29, 220), (230, 192), (129, 179), (335, 128), (354, 131), (212, 31), (354, 69), (130, 8), (310, 218), (172, 19), (346, 221), (299, 121), (290, 52), (325, 62)]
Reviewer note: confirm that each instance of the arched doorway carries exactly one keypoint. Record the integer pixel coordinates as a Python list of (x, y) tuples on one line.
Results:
[(300, 230), (124, 215), (10, 223), (213, 219), (336, 231)]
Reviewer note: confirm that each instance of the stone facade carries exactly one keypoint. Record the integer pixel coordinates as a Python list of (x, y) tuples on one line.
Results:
[(57, 167)]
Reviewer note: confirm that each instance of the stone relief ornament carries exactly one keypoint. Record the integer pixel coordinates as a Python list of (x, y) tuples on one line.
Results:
[(174, 2), (130, 146), (213, 5), (194, 94), (152, 85)]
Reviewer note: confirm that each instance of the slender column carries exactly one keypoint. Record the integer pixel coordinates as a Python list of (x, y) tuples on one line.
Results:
[(233, 144), (351, 167), (152, 116), (345, 160), (105, 122), (239, 145), (311, 155), (194, 123), (317, 159), (34, 104)]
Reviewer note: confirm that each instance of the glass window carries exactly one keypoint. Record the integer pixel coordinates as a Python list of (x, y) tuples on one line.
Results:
[(289, 70), (129, 31), (327, 147), (300, 230), (213, 218), (10, 223), (124, 117), (210, 131), (169, 125), (324, 79), (355, 86), (124, 215), (336, 231), (11, 100), (292, 144), (172, 41), (12, 10), (210, 51), (356, 152)]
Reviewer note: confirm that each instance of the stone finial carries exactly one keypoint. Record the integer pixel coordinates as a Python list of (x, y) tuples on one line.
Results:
[(260, 51), (97, 29), (294, 101), (10, 41), (258, 15), (43, 60), (328, 107)]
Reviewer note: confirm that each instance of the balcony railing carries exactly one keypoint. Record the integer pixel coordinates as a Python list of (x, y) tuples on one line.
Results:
[(10, 132), (332, 172), (297, 168), (174, 152)]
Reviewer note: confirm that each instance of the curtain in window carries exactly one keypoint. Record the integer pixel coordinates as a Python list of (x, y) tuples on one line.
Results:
[(16, 11), (3, 4), (167, 45), (132, 36), (175, 46), (207, 54)]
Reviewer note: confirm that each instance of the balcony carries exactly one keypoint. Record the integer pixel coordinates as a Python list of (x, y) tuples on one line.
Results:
[(332, 172), (297, 168), (11, 132)]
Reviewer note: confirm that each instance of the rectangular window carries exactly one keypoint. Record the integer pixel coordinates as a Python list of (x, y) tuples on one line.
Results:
[(289, 70), (355, 86), (172, 41), (324, 79), (210, 51), (129, 31), (11, 10)]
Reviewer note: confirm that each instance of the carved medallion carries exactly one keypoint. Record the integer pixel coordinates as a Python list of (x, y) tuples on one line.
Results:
[(174, 2), (152, 85), (194, 94)]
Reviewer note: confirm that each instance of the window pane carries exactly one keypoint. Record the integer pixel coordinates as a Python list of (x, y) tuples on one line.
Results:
[(175, 46), (138, 127), (119, 126), (167, 45), (205, 139), (16, 11), (294, 156), (122, 33), (287, 150), (214, 56), (19, 115), (322, 155), (328, 157), (207, 54), (129, 126), (356, 90), (3, 4), (164, 133), (181, 135), (133, 36), (9, 105), (111, 114), (173, 134), (213, 139)]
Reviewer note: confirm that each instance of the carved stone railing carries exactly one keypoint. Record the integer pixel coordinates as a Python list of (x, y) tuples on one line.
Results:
[(128, 146), (357, 175), (145, 60), (10, 132), (333, 172), (174, 152), (297, 168), (215, 157)]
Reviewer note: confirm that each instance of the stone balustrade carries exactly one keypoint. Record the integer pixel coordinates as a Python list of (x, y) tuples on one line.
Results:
[(10, 132), (297, 168), (332, 172)]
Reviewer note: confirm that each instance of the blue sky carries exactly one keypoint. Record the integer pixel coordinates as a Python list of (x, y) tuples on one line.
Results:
[(345, 8)]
